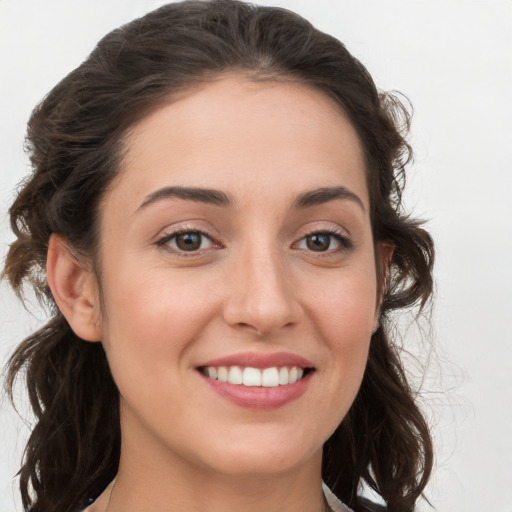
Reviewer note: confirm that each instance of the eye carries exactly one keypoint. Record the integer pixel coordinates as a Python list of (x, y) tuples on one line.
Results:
[(186, 241), (324, 241)]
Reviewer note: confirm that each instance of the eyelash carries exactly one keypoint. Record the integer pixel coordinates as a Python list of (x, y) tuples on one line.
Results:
[(165, 239), (346, 245)]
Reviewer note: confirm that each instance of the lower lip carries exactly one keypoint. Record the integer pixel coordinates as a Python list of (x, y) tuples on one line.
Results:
[(259, 397)]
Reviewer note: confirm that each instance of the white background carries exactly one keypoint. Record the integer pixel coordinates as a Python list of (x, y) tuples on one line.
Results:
[(453, 59)]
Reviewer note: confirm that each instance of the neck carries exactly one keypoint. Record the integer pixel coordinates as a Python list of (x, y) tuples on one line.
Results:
[(298, 491), (179, 486)]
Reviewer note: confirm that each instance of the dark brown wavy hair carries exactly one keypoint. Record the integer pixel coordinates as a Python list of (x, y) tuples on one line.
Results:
[(75, 141)]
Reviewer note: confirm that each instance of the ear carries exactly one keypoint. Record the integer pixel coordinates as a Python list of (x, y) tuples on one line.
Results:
[(383, 254), (74, 288)]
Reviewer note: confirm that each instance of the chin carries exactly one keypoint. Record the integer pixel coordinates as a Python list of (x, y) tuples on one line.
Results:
[(264, 456)]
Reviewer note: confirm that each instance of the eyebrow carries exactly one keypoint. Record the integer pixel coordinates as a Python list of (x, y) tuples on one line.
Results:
[(218, 198), (200, 195), (326, 194)]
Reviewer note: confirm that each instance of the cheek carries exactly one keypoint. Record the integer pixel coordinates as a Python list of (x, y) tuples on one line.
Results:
[(347, 303), (342, 316), (345, 316), (151, 319)]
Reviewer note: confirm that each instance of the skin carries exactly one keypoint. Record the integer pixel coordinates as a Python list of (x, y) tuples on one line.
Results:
[(254, 285)]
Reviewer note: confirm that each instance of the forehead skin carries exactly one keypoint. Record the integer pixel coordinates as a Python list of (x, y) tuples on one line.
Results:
[(284, 126)]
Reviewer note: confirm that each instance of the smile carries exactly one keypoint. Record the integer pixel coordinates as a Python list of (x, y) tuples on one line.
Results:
[(255, 377), (258, 381)]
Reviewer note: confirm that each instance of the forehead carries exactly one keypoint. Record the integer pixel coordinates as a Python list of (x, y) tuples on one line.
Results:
[(244, 135)]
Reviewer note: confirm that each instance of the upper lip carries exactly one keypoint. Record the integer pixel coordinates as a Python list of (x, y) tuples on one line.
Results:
[(255, 360)]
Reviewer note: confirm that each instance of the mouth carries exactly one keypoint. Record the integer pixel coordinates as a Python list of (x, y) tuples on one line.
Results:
[(263, 381), (270, 377)]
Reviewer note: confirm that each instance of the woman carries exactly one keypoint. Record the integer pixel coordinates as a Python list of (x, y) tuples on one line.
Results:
[(214, 216)]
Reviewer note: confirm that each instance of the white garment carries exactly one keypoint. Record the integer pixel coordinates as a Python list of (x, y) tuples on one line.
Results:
[(333, 502)]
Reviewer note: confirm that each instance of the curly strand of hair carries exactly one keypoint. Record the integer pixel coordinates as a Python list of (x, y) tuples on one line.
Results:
[(384, 437), (61, 371)]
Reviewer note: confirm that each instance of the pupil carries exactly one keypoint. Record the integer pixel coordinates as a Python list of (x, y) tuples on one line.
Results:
[(189, 241), (318, 242)]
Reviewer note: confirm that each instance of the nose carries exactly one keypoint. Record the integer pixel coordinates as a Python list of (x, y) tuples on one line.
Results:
[(261, 297)]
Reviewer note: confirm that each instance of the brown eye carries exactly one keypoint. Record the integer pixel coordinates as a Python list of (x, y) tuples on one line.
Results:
[(324, 241), (319, 242), (187, 241)]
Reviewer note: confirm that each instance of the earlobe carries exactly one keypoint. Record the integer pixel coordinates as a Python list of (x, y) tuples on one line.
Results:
[(74, 288)]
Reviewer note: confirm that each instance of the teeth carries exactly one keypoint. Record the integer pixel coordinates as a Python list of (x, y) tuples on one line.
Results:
[(254, 377), (235, 375), (222, 374), (270, 377)]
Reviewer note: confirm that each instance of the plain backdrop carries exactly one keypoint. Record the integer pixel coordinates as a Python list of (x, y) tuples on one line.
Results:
[(453, 60)]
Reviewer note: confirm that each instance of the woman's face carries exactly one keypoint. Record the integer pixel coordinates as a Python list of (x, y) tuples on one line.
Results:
[(236, 244)]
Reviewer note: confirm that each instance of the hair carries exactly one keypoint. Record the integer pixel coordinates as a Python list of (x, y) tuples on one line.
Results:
[(75, 140)]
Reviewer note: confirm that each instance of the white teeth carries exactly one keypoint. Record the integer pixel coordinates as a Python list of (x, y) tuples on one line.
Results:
[(235, 375), (270, 377), (254, 377), (222, 374)]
